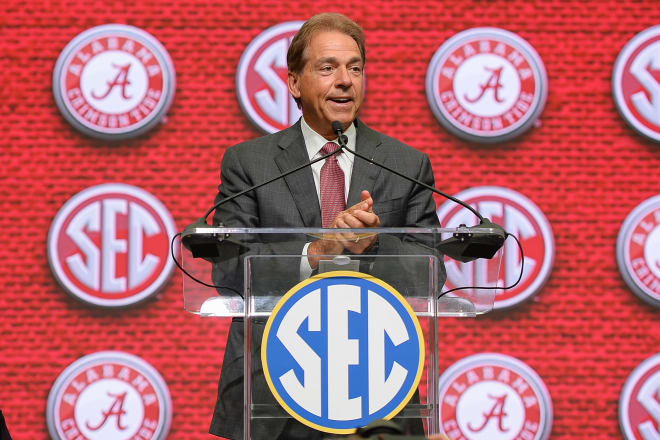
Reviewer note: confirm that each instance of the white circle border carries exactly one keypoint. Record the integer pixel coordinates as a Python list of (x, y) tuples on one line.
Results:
[(135, 362), (622, 254), (617, 74), (147, 123), (246, 57), (505, 361), (74, 202), (514, 40), (626, 393), (540, 218)]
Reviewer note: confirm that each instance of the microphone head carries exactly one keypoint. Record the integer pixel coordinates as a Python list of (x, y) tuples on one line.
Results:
[(336, 127)]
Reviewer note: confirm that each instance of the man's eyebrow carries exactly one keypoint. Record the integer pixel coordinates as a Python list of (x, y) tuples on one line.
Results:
[(333, 60)]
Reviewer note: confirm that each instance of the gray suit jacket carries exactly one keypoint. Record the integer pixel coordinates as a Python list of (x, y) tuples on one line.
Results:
[(292, 202)]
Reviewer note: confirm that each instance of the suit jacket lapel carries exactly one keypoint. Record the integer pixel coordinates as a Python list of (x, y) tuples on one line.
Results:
[(301, 183), (364, 174)]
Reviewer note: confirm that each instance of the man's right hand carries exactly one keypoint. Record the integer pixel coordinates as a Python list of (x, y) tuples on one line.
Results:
[(357, 216)]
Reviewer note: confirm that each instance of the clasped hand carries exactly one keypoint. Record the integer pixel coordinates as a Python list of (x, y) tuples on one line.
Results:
[(358, 216)]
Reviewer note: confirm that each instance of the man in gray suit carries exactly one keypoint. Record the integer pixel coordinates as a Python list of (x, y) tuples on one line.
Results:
[(325, 76)]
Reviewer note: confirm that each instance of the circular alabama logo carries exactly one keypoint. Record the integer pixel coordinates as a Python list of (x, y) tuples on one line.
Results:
[(486, 85), (639, 407), (636, 83), (114, 82), (342, 349), (108, 245), (261, 79), (491, 396), (109, 395), (638, 250), (517, 215)]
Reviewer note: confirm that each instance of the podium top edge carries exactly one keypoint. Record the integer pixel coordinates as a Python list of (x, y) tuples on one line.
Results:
[(225, 230)]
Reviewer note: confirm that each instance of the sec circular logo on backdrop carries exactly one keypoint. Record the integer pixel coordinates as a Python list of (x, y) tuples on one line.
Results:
[(636, 83), (639, 408), (261, 79), (114, 82), (519, 216), (486, 85), (638, 251), (108, 245), (342, 349), (109, 395), (491, 396)]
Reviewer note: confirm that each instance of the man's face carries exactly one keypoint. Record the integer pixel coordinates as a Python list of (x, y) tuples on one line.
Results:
[(330, 85)]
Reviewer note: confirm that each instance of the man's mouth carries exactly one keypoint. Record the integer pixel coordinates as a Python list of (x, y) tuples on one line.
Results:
[(341, 100)]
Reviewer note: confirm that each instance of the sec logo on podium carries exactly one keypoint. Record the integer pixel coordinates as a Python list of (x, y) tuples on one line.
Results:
[(342, 349)]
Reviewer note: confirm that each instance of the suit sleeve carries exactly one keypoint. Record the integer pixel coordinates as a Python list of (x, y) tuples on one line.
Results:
[(243, 211), (421, 206), (412, 274), (273, 276)]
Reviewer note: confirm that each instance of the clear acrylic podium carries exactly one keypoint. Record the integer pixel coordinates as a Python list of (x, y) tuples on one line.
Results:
[(246, 271)]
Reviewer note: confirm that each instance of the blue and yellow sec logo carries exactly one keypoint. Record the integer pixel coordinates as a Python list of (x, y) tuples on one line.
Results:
[(342, 349)]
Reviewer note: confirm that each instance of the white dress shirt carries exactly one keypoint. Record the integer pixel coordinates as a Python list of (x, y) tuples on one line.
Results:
[(314, 142)]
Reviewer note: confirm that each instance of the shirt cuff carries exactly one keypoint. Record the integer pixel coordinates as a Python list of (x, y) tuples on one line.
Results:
[(305, 268)]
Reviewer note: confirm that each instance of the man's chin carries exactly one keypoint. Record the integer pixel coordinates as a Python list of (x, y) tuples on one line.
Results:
[(344, 119)]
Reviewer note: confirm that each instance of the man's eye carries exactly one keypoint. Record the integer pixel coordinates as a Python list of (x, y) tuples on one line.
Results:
[(326, 69)]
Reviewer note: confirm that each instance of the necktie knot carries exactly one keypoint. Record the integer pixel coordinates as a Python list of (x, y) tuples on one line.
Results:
[(329, 148)]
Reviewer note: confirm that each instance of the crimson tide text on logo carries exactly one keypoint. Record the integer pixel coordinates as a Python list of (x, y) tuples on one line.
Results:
[(486, 85), (639, 408), (114, 82), (261, 79), (108, 245), (636, 83), (638, 250), (519, 216), (109, 395), (491, 396)]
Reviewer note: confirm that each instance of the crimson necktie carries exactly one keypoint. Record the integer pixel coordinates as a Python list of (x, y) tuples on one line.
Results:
[(332, 186)]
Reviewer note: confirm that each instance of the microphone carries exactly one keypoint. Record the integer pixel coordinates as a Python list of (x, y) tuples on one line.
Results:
[(467, 243)]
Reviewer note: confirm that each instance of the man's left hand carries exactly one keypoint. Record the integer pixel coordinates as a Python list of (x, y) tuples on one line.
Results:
[(360, 215)]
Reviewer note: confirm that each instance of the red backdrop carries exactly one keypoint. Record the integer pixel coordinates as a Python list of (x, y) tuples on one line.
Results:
[(586, 170)]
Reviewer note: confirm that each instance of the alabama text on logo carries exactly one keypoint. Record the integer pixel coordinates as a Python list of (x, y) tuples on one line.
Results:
[(114, 82), (486, 85), (638, 250), (109, 396), (490, 396)]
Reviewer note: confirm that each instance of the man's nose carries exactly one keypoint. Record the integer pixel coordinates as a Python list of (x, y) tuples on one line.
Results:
[(343, 78)]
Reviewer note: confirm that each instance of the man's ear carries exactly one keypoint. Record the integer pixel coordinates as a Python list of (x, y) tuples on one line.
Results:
[(293, 84)]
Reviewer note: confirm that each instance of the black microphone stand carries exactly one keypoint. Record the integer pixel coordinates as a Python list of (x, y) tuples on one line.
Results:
[(481, 241)]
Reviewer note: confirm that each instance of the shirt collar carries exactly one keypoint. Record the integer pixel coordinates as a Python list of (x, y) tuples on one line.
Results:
[(314, 141)]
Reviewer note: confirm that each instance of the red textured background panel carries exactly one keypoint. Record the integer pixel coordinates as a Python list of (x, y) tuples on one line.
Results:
[(586, 170)]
